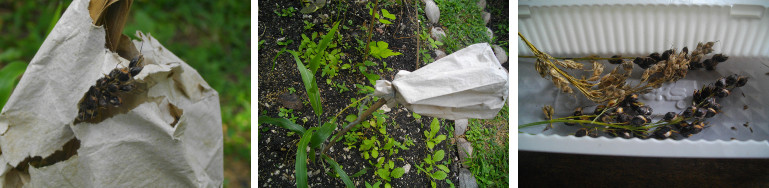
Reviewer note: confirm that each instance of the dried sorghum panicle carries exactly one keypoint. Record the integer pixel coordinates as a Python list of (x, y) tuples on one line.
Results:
[(616, 61)]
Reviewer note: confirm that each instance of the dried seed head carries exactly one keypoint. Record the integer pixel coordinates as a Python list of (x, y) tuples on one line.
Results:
[(670, 116)]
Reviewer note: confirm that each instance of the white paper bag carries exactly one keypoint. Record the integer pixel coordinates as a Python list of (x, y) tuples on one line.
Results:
[(168, 135), (469, 83)]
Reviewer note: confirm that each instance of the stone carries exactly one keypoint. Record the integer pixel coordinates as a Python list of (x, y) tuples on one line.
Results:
[(437, 33), (489, 33), (486, 17), (466, 179), (290, 101), (465, 150), (407, 168), (481, 4), (439, 54), (432, 11), (385, 108), (500, 53), (460, 126)]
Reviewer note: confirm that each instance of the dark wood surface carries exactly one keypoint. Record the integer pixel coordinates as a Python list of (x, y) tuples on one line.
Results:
[(540, 169)]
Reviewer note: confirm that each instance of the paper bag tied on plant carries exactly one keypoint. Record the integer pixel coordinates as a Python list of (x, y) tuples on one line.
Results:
[(166, 133)]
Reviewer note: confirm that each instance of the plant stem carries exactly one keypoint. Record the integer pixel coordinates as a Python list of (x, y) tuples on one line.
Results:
[(365, 115), (583, 58), (370, 27)]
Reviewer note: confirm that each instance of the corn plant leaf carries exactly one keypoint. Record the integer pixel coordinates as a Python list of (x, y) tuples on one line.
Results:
[(282, 122), (8, 76), (339, 171), (310, 85), (315, 61), (397, 172), (323, 133), (300, 166)]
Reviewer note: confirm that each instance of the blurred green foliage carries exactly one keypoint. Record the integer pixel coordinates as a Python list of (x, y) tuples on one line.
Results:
[(211, 36)]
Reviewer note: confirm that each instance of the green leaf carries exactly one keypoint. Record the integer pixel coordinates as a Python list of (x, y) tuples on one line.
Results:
[(310, 85), (397, 172), (375, 153), (391, 164), (360, 173), (438, 156), (351, 117), (432, 183), (384, 174), (443, 167), (315, 61), (365, 155), (387, 14), (416, 116), (339, 171), (281, 122), (434, 127), (439, 175), (323, 133), (430, 144), (387, 185), (301, 159), (439, 139), (8, 76), (385, 21)]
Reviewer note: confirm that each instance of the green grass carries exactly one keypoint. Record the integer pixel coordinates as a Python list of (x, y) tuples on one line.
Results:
[(462, 21), (211, 36), (489, 138)]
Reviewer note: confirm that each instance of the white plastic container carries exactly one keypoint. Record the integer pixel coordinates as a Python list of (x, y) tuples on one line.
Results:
[(577, 29)]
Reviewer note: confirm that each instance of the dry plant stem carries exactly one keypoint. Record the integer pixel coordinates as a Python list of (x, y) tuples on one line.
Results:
[(370, 27), (365, 115), (419, 30), (582, 58)]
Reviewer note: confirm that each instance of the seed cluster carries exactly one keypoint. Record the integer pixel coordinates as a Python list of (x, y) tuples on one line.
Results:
[(633, 113), (704, 105), (105, 92)]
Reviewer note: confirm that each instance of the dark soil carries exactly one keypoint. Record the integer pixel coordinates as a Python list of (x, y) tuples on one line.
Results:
[(277, 149)]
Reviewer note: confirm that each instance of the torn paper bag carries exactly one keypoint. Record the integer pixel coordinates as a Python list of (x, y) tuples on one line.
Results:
[(164, 131), (469, 83)]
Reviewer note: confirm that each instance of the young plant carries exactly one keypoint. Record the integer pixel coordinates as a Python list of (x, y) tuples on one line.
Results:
[(379, 50), (431, 137), (385, 18), (431, 162), (286, 12)]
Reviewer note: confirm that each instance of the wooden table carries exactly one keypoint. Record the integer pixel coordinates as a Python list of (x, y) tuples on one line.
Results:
[(540, 169)]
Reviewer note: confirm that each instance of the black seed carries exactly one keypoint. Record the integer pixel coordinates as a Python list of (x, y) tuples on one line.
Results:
[(700, 113), (581, 132), (670, 116), (694, 65), (639, 120), (136, 70), (127, 87), (731, 79), (709, 63), (112, 88), (722, 93), (124, 76), (689, 112), (662, 132), (115, 101), (666, 54), (623, 118), (711, 112), (741, 81), (685, 50), (720, 83), (644, 110), (134, 61), (711, 102), (616, 61), (114, 73), (719, 58), (656, 56)]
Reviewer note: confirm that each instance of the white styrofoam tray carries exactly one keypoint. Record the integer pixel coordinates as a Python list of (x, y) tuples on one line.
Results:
[(637, 30)]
